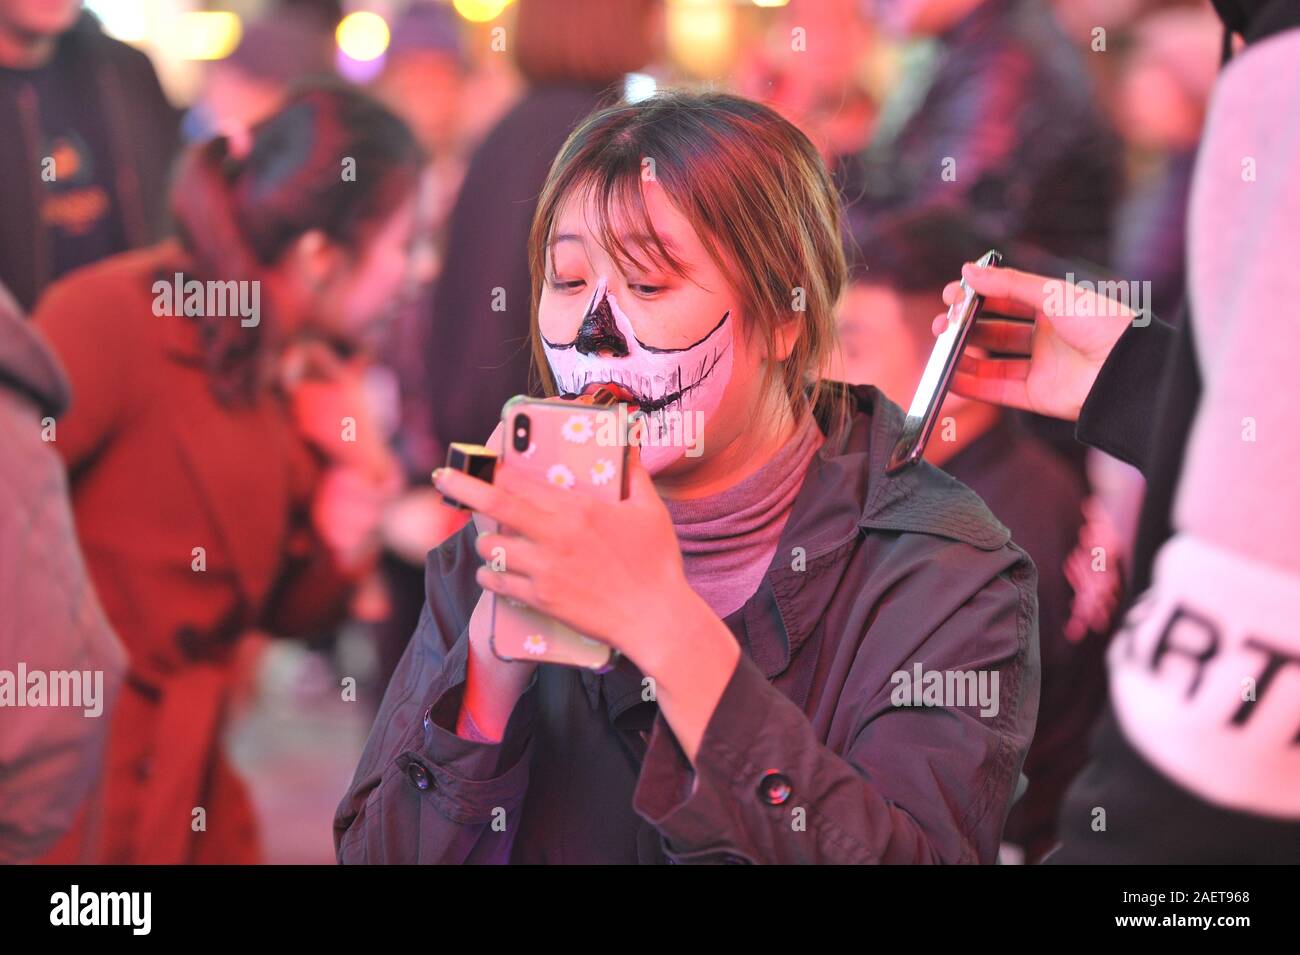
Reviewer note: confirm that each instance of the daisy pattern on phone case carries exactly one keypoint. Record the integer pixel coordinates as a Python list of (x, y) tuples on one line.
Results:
[(535, 644), (577, 429), (602, 472), (560, 476)]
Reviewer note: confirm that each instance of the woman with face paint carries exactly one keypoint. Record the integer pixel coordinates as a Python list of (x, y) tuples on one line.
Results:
[(821, 663)]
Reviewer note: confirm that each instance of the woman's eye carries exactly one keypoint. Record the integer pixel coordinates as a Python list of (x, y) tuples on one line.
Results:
[(645, 289), (567, 285)]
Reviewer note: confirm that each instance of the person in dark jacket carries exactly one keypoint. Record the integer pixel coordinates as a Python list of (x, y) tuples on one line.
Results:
[(820, 663), (570, 52), (1195, 759), (51, 622), (214, 489), (992, 118), (87, 149)]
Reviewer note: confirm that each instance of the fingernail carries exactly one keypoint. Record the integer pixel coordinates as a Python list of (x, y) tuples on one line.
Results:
[(437, 474)]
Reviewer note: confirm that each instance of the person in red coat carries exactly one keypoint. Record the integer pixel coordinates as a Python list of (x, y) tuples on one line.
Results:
[(214, 490)]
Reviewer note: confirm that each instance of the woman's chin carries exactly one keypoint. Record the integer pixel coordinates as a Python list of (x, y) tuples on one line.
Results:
[(664, 460)]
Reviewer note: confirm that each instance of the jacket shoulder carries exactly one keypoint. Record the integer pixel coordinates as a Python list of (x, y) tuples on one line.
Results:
[(920, 499), (114, 294), (931, 501)]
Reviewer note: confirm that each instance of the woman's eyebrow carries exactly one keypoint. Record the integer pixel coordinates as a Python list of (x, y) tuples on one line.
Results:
[(563, 237), (645, 240)]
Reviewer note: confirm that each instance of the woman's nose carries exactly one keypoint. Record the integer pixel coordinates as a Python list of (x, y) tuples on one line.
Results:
[(599, 334)]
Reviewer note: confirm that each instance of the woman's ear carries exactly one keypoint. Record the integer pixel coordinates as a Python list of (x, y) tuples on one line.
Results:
[(785, 337)]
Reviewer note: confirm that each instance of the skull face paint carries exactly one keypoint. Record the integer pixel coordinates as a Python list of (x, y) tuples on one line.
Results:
[(677, 388)]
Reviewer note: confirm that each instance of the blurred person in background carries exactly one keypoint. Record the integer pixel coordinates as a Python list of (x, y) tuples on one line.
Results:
[(994, 118), (885, 340), (425, 81), (1164, 90), (827, 95), (1195, 757), (221, 480), (573, 54), (50, 619), (1161, 92), (87, 144), (275, 53)]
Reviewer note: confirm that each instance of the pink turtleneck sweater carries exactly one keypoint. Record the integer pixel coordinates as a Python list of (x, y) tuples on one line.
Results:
[(728, 539)]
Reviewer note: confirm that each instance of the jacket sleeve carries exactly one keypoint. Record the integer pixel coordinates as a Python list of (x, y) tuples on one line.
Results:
[(910, 784), (1119, 414), (422, 794)]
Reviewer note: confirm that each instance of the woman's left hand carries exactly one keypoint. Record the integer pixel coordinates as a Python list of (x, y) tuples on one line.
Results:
[(338, 412), (611, 570)]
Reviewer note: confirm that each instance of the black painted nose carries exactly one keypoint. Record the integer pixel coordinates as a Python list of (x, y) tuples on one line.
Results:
[(599, 333)]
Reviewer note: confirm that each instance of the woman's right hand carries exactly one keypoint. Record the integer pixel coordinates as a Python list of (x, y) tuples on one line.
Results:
[(1052, 362)]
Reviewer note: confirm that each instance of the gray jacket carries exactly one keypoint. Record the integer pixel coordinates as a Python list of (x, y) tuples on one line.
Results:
[(808, 758), (51, 622)]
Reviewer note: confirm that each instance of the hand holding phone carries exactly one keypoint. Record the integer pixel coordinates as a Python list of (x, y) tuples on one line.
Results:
[(935, 380), (1047, 340)]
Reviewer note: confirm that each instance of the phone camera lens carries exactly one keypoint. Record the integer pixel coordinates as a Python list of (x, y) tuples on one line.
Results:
[(522, 430)]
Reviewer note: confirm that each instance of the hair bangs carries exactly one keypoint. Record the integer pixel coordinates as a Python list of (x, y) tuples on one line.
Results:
[(614, 209)]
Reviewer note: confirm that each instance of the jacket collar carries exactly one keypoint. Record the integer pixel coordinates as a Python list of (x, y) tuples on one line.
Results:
[(845, 493)]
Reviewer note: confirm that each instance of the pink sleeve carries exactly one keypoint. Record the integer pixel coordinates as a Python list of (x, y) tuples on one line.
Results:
[(466, 728)]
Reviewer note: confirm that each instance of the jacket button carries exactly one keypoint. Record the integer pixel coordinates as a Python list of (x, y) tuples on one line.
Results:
[(773, 788), (419, 776)]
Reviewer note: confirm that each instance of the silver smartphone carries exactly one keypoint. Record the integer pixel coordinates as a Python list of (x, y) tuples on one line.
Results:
[(924, 410)]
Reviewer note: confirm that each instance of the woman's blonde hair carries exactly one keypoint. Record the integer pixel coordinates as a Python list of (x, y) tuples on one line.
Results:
[(751, 185)]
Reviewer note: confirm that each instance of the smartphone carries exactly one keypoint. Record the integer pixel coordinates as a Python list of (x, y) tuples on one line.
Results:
[(924, 410), (578, 447)]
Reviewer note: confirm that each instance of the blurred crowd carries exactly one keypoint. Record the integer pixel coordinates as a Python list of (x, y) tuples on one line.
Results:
[(288, 457)]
